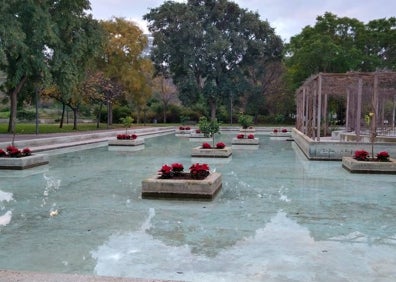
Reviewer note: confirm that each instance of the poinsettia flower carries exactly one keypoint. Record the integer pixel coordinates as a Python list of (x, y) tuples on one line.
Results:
[(206, 145)]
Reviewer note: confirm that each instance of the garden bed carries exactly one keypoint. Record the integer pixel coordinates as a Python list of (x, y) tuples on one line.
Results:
[(212, 152), (356, 166), (182, 188), (23, 162)]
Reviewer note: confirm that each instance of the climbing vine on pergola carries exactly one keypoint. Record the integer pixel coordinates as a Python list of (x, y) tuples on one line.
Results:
[(346, 99)]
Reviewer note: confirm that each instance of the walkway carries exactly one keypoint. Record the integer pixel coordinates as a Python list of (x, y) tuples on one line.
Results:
[(51, 141)]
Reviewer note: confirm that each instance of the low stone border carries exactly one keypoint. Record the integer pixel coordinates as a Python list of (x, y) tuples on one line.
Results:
[(24, 162), (211, 153), (157, 188), (355, 166)]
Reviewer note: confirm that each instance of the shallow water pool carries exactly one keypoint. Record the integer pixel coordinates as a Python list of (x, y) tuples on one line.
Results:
[(278, 217)]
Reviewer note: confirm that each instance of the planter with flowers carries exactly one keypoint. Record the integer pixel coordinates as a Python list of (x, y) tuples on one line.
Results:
[(198, 136), (16, 159), (245, 139), (126, 142), (280, 132), (183, 131), (220, 150), (361, 162), (173, 182)]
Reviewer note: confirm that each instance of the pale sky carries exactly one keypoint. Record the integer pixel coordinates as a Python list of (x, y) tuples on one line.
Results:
[(288, 17)]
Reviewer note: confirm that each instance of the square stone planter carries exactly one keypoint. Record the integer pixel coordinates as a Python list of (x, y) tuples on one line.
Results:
[(126, 144), (199, 137), (245, 143), (157, 188), (355, 166), (23, 162), (211, 153), (247, 130)]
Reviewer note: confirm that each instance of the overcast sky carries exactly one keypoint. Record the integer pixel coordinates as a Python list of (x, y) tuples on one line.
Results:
[(288, 17)]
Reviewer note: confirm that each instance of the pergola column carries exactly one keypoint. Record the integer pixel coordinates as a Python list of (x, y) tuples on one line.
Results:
[(359, 108), (319, 106)]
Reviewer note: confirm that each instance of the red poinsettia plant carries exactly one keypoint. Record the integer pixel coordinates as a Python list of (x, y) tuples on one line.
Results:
[(197, 171), (126, 136), (383, 156), (184, 128), (198, 131), (241, 136), (220, 145), (284, 130), (14, 152), (206, 145), (275, 130), (361, 155), (250, 136)]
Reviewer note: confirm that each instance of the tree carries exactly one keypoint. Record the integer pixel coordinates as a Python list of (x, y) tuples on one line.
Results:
[(123, 62), (26, 31), (166, 92), (339, 45), (204, 57), (45, 41), (79, 39)]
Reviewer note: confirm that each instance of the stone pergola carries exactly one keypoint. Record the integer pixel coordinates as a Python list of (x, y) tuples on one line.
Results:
[(347, 99)]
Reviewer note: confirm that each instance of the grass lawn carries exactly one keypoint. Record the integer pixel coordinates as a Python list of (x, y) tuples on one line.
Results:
[(30, 128)]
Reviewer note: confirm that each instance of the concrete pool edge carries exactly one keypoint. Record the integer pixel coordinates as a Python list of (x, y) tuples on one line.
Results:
[(27, 276)]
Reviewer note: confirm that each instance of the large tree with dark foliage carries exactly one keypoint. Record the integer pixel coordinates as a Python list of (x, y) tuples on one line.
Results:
[(208, 45), (339, 45), (48, 41)]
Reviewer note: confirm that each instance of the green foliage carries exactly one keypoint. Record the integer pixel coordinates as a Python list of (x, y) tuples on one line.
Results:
[(245, 120), (26, 115), (208, 128), (340, 44), (127, 122), (120, 112), (224, 41)]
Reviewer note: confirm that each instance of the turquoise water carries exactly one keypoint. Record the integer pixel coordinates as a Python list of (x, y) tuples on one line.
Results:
[(278, 217)]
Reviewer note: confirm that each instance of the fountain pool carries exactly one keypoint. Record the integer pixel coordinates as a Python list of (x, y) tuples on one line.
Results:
[(278, 217)]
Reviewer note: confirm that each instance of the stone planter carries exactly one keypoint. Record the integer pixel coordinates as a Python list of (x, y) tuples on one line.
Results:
[(356, 166), (23, 162), (211, 153), (183, 133), (126, 144), (199, 137), (157, 188), (280, 134), (247, 130), (245, 141)]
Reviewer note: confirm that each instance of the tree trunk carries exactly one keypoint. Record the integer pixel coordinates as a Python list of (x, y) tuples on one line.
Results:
[(75, 118), (13, 106), (110, 114), (212, 104), (99, 115), (62, 116), (165, 109)]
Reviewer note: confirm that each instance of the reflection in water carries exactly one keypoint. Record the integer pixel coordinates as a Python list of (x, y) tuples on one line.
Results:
[(281, 250)]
